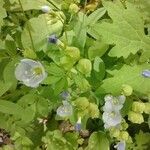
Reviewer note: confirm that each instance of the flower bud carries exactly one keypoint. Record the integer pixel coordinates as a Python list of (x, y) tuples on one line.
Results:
[(52, 39), (73, 8), (84, 66), (135, 117), (127, 90), (45, 9), (93, 110), (138, 107), (124, 135), (146, 73), (147, 108), (73, 52), (114, 132), (82, 103)]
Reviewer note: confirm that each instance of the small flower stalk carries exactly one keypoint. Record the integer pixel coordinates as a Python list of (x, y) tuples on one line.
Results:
[(112, 116), (30, 72)]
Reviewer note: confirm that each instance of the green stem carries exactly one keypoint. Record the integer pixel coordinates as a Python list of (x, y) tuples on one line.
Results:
[(27, 25)]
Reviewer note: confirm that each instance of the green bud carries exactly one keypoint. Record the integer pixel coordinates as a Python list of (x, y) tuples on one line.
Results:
[(124, 125), (66, 62), (127, 90), (29, 53), (82, 103), (73, 8), (84, 66), (124, 135), (147, 108), (138, 107), (73, 52), (93, 110), (135, 117), (115, 132)]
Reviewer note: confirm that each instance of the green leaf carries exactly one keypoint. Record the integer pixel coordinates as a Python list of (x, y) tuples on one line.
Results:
[(29, 5), (34, 38), (2, 13), (97, 49), (4, 87), (126, 32), (95, 16), (8, 107), (130, 75), (98, 141), (8, 74)]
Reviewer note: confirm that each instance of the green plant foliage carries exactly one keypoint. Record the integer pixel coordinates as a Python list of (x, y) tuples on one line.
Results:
[(74, 74)]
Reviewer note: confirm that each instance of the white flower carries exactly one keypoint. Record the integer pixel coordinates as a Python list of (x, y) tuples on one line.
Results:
[(120, 145), (113, 103), (65, 110), (30, 72), (45, 9), (78, 125), (111, 119)]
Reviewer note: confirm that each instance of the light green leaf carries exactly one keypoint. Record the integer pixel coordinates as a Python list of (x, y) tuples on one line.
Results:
[(29, 5), (130, 75), (36, 31), (95, 16), (126, 32), (98, 141), (8, 107), (97, 49)]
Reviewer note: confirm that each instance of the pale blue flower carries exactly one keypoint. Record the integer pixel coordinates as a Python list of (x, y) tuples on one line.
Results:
[(30, 72), (78, 125), (65, 95), (120, 145), (65, 110), (52, 39), (146, 73), (111, 119), (46, 9)]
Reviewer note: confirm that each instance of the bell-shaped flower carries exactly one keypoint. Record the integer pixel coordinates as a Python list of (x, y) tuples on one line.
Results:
[(78, 125), (65, 110), (111, 119), (65, 95), (30, 72), (120, 145)]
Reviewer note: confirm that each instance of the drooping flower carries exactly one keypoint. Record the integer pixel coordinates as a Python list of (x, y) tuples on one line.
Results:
[(120, 145), (53, 39), (45, 9), (30, 72), (65, 95), (146, 73), (78, 125), (65, 110)]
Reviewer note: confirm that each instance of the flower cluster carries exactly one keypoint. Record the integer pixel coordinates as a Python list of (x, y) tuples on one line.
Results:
[(112, 116), (135, 115)]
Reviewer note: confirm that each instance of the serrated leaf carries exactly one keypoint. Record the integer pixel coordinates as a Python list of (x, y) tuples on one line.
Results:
[(96, 15), (98, 141), (126, 32), (34, 38), (130, 75)]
